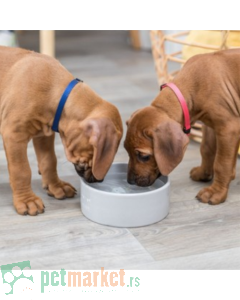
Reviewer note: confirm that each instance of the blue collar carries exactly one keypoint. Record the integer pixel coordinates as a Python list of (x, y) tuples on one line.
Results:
[(62, 103)]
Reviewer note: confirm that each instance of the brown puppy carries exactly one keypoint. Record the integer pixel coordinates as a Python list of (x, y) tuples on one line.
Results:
[(31, 86), (155, 141)]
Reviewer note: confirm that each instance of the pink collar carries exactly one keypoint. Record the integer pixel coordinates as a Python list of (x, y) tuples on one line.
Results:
[(175, 89)]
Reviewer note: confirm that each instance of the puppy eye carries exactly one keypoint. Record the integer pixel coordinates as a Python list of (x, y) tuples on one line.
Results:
[(143, 158)]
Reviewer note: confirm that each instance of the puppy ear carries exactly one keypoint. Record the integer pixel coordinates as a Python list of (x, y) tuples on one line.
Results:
[(105, 139), (169, 145)]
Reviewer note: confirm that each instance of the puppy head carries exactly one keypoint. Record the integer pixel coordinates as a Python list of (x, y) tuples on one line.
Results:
[(155, 144), (92, 146)]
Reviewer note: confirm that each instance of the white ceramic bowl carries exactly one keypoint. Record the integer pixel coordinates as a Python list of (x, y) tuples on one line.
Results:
[(116, 203)]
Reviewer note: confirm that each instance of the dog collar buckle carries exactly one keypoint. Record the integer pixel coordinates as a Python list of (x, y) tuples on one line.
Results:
[(62, 102), (182, 101)]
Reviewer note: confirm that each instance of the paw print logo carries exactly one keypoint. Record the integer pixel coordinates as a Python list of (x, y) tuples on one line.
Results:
[(16, 277)]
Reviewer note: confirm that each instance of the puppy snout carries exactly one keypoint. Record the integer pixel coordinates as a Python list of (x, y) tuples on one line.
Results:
[(131, 178), (147, 180), (86, 173), (143, 181), (79, 169), (89, 177)]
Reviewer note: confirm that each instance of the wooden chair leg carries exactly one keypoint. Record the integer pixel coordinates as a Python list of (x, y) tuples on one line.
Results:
[(47, 42)]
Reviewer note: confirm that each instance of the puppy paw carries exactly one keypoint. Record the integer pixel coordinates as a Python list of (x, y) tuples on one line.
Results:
[(212, 195), (31, 205), (198, 174), (61, 190)]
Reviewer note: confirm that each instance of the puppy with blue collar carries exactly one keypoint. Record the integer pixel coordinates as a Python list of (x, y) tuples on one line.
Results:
[(39, 97)]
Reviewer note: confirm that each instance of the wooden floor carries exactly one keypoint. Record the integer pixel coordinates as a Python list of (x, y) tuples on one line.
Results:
[(193, 236)]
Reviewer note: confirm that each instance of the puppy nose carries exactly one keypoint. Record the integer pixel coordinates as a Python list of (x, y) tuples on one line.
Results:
[(131, 178)]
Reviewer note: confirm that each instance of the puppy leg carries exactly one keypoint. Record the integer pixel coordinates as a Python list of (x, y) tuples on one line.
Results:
[(24, 200), (47, 164), (208, 152), (224, 167)]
